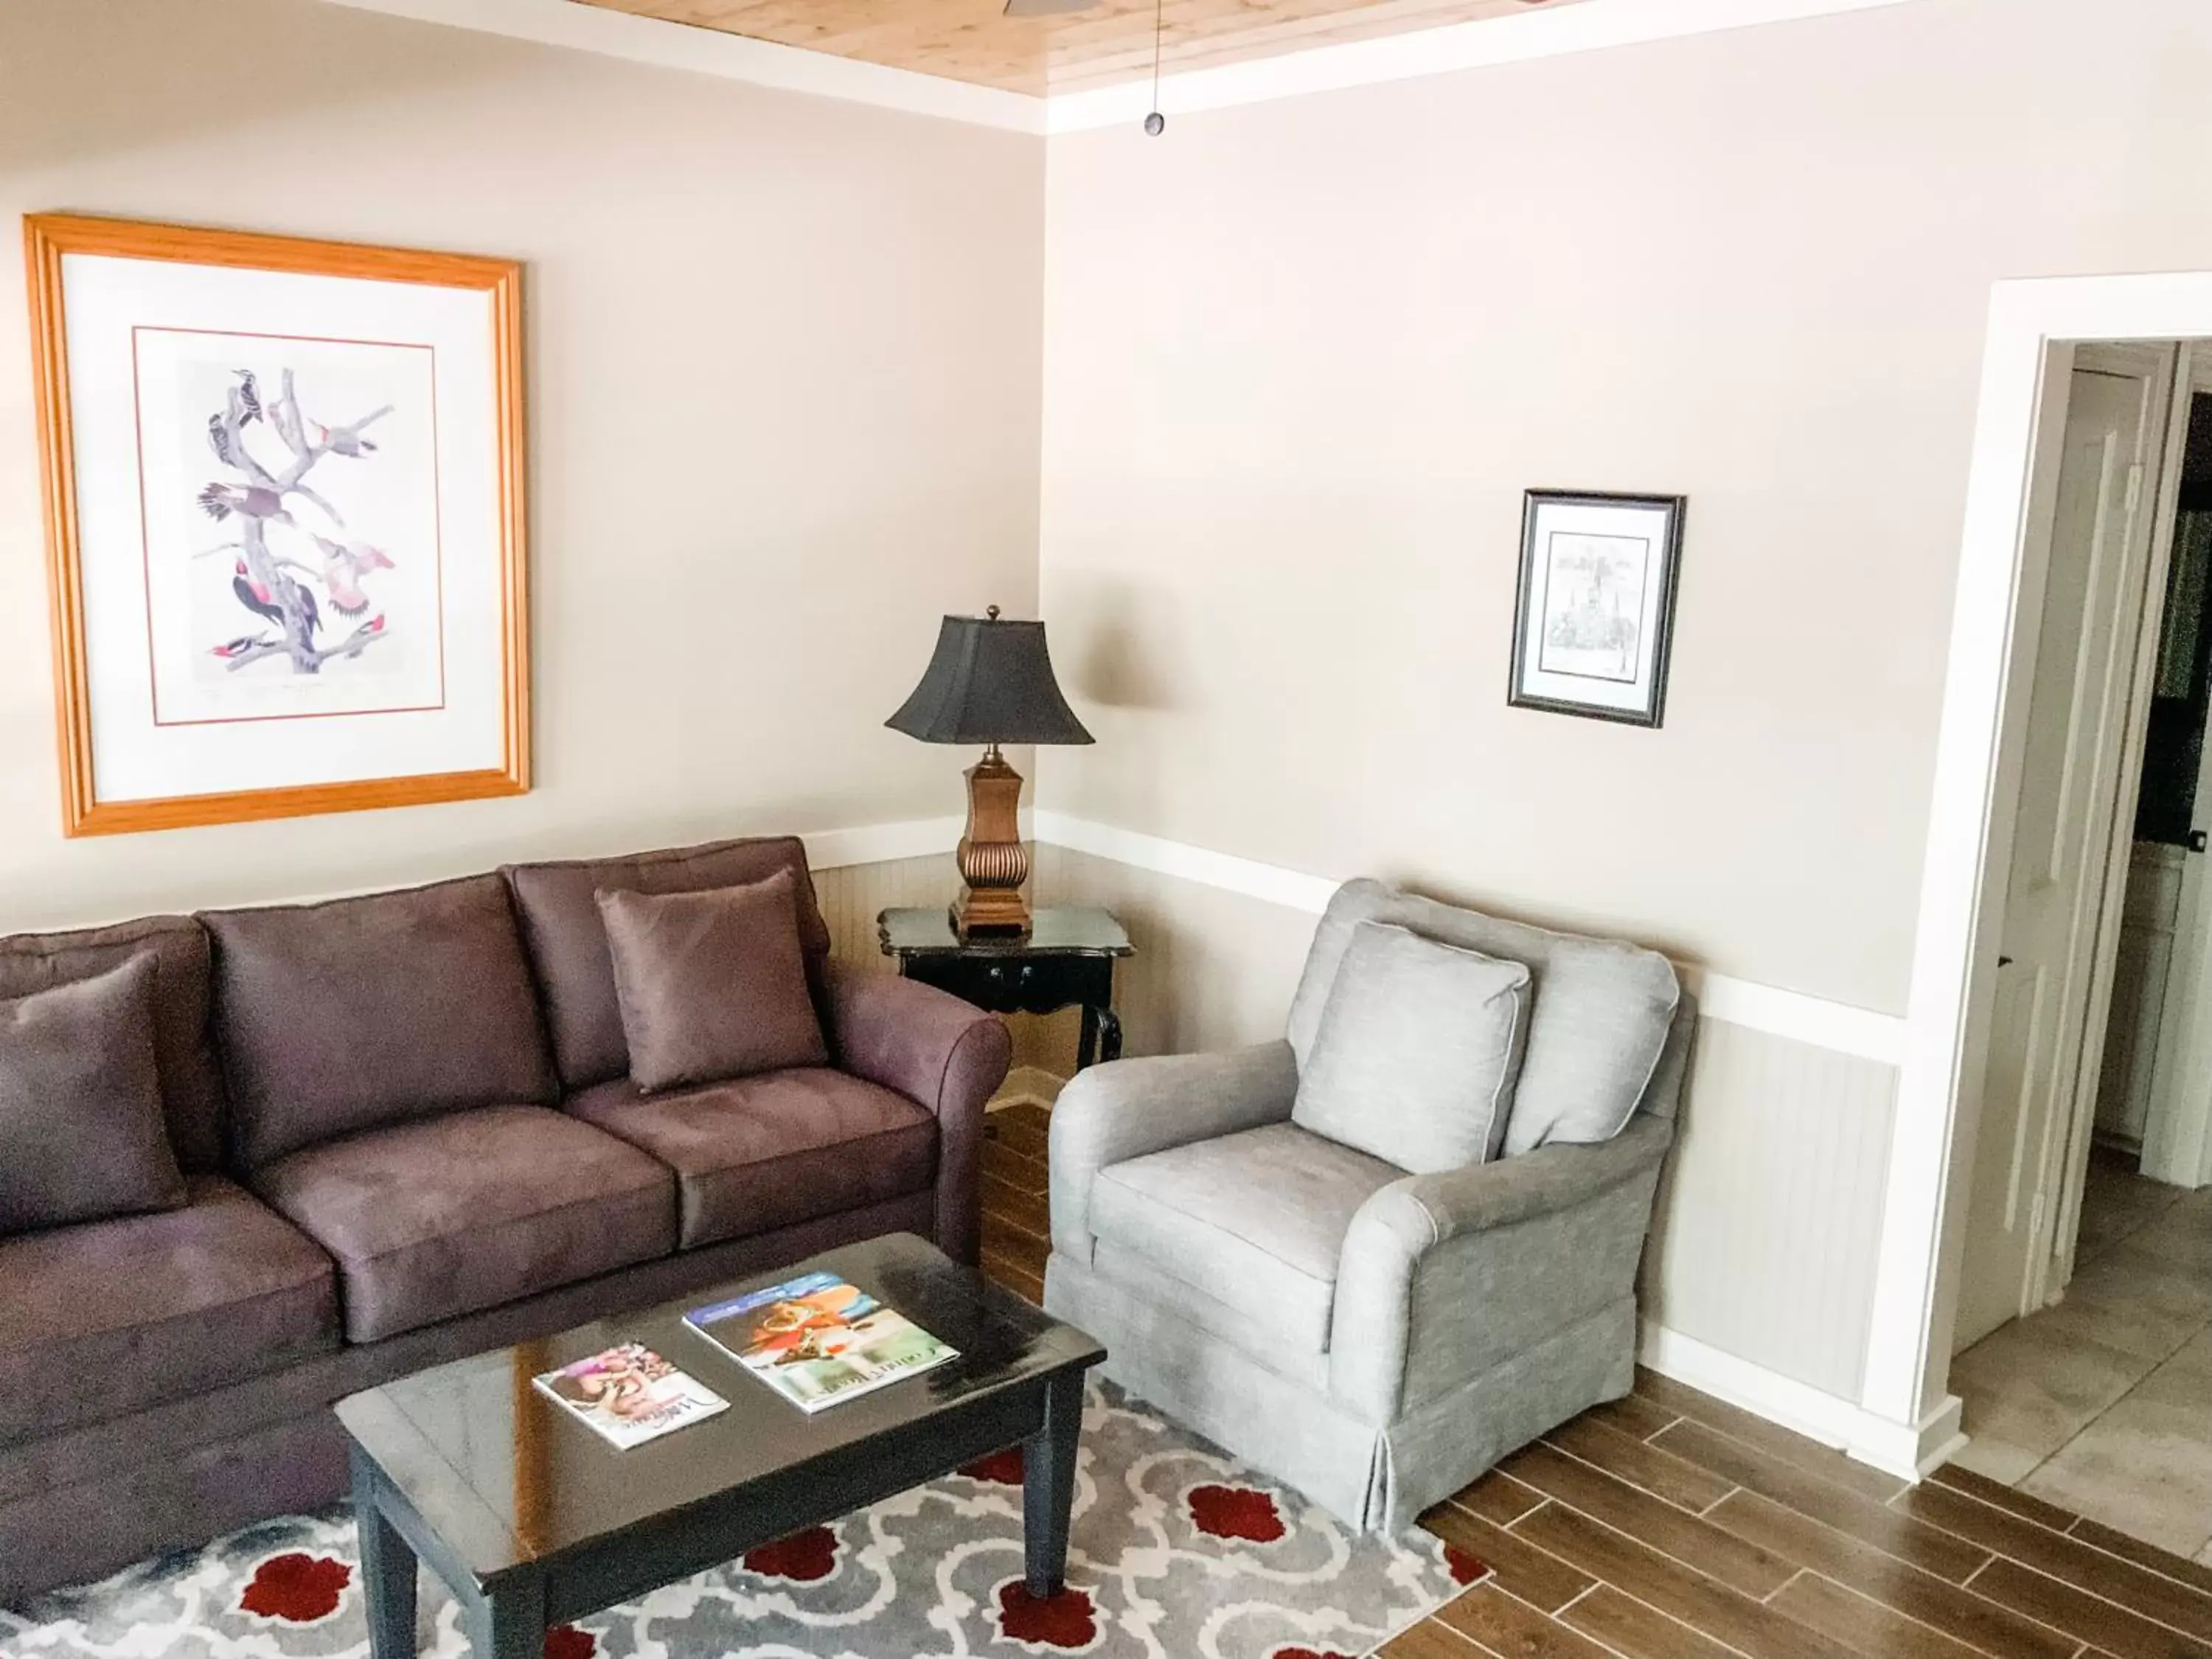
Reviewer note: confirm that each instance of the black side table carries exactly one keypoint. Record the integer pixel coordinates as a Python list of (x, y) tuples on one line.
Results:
[(1067, 959)]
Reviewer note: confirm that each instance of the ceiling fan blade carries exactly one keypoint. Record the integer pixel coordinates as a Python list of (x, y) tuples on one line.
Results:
[(1046, 8)]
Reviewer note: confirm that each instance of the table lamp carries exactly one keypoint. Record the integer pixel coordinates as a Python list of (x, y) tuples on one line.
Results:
[(990, 682)]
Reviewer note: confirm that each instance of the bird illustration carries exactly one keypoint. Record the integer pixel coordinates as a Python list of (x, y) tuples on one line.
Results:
[(220, 501), (343, 568), (346, 440), (219, 441), (255, 595), (248, 393), (241, 646)]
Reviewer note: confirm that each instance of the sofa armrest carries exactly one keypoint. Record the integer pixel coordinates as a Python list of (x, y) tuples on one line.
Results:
[(1127, 1108), (1484, 1261), (941, 1053)]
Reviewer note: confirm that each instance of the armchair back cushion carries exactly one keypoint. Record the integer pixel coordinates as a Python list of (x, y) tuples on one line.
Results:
[(1417, 1052), (568, 939), (191, 1083), (360, 1012), (1599, 1022)]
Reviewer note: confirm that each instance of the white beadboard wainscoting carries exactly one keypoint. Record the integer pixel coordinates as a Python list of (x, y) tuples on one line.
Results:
[(1759, 1281)]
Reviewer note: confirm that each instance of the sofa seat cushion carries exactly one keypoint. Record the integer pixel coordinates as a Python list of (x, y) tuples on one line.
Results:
[(434, 1219), (113, 1317), (765, 1151), (1257, 1218)]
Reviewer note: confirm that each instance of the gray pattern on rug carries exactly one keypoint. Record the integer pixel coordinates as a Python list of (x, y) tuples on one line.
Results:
[(1179, 1551)]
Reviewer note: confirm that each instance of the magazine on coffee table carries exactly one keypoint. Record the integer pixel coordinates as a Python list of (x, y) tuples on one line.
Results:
[(816, 1340), (629, 1394)]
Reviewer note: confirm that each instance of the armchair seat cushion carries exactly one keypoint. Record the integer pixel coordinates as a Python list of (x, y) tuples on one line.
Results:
[(434, 1219), (112, 1316), (1255, 1219), (760, 1152)]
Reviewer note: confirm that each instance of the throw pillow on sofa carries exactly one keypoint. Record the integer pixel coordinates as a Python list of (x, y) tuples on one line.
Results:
[(712, 984), (1417, 1052), (82, 1133)]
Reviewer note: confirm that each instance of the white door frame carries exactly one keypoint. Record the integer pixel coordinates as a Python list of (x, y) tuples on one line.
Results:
[(1947, 1020)]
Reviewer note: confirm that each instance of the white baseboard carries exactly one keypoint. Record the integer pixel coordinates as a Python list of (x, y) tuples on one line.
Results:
[(1906, 1450)]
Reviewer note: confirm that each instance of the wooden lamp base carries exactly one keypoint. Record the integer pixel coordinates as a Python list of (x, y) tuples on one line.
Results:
[(993, 863)]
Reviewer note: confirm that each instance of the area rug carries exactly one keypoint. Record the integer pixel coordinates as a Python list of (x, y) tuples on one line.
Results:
[(1178, 1551)]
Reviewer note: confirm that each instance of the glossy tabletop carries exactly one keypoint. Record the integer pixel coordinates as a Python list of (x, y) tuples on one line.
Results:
[(505, 1477), (1059, 930)]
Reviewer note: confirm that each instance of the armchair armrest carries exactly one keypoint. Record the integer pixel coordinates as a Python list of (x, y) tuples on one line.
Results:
[(1127, 1108), (940, 1053), (1482, 1261)]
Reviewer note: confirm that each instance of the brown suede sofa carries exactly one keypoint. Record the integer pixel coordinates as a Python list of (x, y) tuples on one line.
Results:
[(409, 1133)]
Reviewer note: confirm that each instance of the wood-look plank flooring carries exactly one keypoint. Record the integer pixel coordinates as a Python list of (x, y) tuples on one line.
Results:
[(1669, 1525)]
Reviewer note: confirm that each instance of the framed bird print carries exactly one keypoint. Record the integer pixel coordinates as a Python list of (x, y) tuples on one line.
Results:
[(284, 512)]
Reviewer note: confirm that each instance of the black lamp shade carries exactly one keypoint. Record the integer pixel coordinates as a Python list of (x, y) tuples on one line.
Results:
[(989, 681)]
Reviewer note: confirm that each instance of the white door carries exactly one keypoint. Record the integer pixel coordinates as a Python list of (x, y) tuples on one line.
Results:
[(2091, 613), (2177, 1130)]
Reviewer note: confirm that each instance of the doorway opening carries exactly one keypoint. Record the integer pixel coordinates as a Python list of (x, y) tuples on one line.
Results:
[(2083, 1316)]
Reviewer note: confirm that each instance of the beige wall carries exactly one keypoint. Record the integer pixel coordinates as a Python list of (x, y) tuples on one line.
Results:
[(784, 394), (1303, 358)]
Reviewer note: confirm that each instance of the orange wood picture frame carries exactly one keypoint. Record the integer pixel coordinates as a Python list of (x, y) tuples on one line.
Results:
[(47, 238)]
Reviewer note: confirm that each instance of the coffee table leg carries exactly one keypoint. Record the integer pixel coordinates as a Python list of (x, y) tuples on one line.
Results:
[(1049, 1486), (387, 1570), (510, 1624)]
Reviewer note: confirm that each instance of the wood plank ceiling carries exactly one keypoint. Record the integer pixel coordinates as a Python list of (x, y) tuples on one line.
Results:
[(1111, 42)]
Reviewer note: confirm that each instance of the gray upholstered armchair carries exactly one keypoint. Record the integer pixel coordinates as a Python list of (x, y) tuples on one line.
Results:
[(1375, 1338)]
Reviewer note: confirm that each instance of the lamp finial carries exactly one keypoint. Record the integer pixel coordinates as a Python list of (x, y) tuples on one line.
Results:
[(990, 611)]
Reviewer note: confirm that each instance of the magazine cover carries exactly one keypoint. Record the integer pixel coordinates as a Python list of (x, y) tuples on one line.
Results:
[(630, 1395), (817, 1340)]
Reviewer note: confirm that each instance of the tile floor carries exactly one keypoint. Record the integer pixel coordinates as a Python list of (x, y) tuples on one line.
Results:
[(2103, 1404)]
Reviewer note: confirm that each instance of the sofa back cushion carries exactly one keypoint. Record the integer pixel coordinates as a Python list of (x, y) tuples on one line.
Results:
[(1417, 1053), (358, 1013), (1601, 1010), (191, 1084), (82, 1137), (568, 939)]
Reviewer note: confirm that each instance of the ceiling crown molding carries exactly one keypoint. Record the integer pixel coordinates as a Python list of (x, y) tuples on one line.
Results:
[(1587, 26)]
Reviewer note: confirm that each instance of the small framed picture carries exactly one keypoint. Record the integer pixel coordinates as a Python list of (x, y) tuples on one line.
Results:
[(1594, 619)]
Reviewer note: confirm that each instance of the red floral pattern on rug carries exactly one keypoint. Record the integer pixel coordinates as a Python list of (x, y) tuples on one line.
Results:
[(999, 1468), (1178, 1550), (1236, 1512), (1467, 1568), (1068, 1620), (295, 1587), (805, 1557)]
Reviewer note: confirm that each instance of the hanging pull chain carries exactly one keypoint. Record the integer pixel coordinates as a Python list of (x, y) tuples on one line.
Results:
[(1156, 124)]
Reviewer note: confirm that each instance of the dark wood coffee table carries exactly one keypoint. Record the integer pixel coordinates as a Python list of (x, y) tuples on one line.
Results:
[(532, 1519)]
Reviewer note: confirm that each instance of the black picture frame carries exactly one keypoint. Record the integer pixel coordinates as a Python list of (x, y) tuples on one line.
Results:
[(1648, 708)]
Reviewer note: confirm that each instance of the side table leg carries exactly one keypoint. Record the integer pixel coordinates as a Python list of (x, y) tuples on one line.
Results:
[(1110, 1034), (510, 1624), (387, 1570), (1049, 1486), (1086, 1046)]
